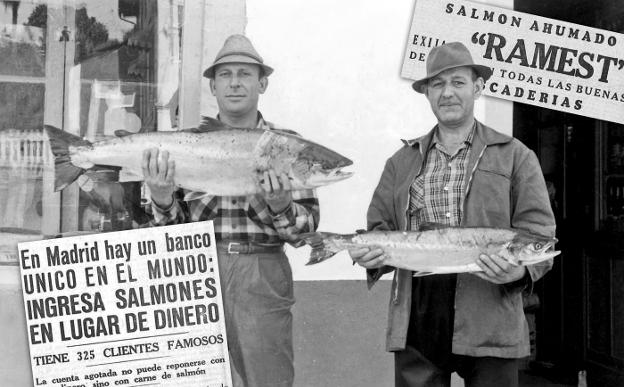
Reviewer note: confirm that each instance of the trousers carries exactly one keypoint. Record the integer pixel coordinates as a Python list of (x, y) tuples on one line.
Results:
[(412, 369), (427, 360), (257, 292)]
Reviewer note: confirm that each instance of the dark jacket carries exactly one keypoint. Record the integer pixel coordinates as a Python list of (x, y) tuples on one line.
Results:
[(505, 188)]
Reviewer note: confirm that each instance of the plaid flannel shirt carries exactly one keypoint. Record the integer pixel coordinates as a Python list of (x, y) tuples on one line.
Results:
[(246, 218), (437, 194)]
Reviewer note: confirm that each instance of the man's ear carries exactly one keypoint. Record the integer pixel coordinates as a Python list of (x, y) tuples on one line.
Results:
[(213, 90), (479, 85), (264, 83)]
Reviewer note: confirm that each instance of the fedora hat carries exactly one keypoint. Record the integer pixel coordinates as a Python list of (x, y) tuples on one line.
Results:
[(237, 49), (448, 56)]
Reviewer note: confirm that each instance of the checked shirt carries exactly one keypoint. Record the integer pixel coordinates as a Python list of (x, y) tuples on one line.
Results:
[(246, 218), (437, 194)]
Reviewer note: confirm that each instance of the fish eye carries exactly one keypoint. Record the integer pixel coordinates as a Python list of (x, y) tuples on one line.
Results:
[(537, 246)]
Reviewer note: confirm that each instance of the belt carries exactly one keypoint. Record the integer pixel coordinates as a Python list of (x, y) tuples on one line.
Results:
[(242, 247)]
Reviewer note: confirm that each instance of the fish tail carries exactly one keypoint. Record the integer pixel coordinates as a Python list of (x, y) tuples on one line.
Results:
[(65, 172), (323, 245)]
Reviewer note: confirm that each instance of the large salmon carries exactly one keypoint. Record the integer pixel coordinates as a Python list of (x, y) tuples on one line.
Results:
[(439, 250), (213, 159)]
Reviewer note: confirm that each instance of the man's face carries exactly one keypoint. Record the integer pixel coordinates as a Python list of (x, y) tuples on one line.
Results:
[(452, 94), (237, 87)]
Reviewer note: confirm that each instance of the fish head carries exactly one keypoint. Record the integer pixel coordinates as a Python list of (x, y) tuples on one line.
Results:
[(307, 164), (529, 249), (316, 165)]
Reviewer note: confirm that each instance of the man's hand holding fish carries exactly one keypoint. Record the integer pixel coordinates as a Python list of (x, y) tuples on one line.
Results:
[(276, 191), (368, 257), (158, 173), (499, 270)]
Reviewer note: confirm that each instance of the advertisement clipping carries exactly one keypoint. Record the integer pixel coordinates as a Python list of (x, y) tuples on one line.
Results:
[(535, 60), (137, 307)]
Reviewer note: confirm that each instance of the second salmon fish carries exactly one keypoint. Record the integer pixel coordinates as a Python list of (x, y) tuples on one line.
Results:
[(439, 250)]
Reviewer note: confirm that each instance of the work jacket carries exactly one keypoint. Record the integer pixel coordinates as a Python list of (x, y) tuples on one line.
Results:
[(504, 188)]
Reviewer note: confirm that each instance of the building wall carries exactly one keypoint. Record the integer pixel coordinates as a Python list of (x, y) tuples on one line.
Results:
[(339, 333)]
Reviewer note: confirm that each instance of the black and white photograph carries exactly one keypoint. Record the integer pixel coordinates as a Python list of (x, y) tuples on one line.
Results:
[(247, 193)]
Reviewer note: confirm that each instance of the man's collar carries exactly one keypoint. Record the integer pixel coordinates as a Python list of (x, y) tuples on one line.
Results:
[(262, 124), (482, 134), (436, 137)]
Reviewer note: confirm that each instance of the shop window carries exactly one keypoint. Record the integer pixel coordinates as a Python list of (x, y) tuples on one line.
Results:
[(94, 69)]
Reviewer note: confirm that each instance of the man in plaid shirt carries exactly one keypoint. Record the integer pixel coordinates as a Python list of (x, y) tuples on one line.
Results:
[(462, 173), (256, 277)]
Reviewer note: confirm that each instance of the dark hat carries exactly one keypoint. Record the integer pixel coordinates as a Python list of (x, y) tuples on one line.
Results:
[(448, 56), (237, 49)]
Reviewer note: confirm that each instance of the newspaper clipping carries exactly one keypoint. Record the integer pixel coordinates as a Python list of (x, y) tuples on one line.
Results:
[(536, 60), (132, 307)]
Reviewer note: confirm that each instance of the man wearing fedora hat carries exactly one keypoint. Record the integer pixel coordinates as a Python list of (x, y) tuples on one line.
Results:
[(256, 278), (462, 173)]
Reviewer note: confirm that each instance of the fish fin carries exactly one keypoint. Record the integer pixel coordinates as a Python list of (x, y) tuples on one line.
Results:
[(197, 130), (208, 125), (322, 246), (428, 226), (123, 133), (194, 195), (65, 172), (422, 273)]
